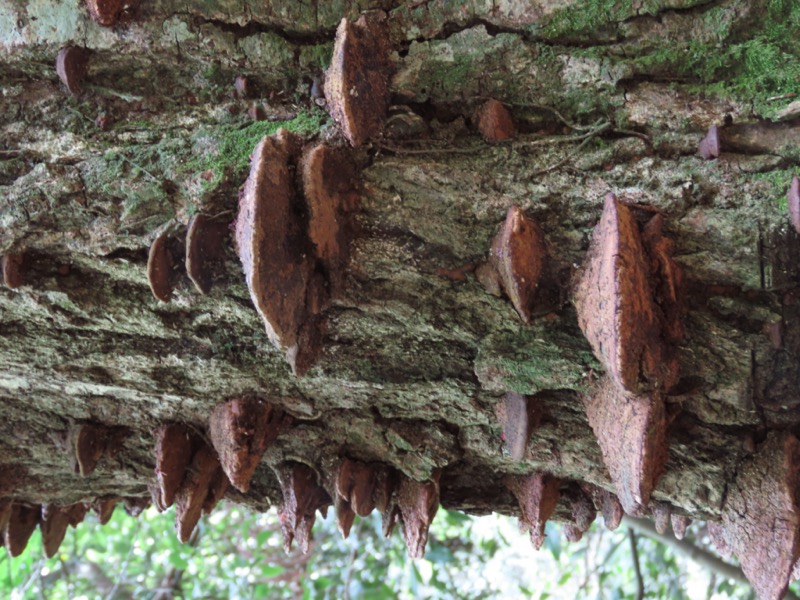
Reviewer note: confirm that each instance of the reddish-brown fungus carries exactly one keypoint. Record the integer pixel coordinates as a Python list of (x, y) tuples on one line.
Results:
[(709, 145), (679, 525), (572, 532), (418, 502), (793, 200), (88, 443), (609, 506), (22, 522), (76, 513), (242, 87), (106, 12), (345, 515), (582, 509), (136, 506), (662, 513), (518, 416), (12, 270), (537, 495), (54, 522), (517, 256), (160, 267), (203, 486), (175, 445), (72, 65), (241, 430), (357, 82), (204, 250), (631, 432), (302, 497), (104, 507), (495, 122), (761, 515), (355, 482)]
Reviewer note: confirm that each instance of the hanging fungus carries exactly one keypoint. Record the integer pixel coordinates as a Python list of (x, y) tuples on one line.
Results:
[(205, 250), (54, 522), (302, 498), (104, 508), (241, 430), (175, 445), (136, 506), (88, 443), (357, 82), (165, 255), (537, 495), (355, 482), (518, 416), (793, 200), (22, 522), (760, 516), (495, 122), (418, 502), (709, 145), (12, 270), (761, 137), (106, 12), (607, 504), (662, 513), (345, 515), (516, 261), (72, 65), (679, 525), (202, 488)]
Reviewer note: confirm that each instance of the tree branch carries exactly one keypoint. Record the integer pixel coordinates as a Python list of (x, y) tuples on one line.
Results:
[(637, 569)]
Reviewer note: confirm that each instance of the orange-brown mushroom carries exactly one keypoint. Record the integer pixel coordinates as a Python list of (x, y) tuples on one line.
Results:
[(160, 262), (302, 497), (54, 522), (105, 12), (204, 250), (418, 502), (241, 430), (537, 495), (175, 447), (495, 122), (203, 486), (12, 270), (357, 82), (72, 65), (104, 508), (22, 522)]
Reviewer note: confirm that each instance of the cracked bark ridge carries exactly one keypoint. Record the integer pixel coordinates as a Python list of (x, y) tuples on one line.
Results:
[(518, 417), (537, 495), (662, 513), (495, 122), (679, 525), (357, 82), (632, 433), (175, 446), (418, 502), (54, 522), (760, 519), (72, 65), (302, 497), (607, 504), (202, 488), (205, 250), (22, 522), (709, 146), (106, 12), (12, 270), (517, 257), (616, 309), (241, 430), (88, 443), (793, 200), (104, 507)]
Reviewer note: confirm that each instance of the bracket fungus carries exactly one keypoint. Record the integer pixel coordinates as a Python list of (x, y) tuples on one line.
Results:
[(516, 261), (104, 508), (203, 486), (355, 484), (709, 145), (302, 497), (537, 495), (22, 522), (175, 445), (761, 137), (608, 505), (241, 430), (793, 200), (107, 12), (12, 270), (518, 416), (165, 255), (761, 515), (495, 122), (679, 525), (54, 522), (357, 82), (418, 502), (72, 65), (662, 513), (88, 443), (204, 250)]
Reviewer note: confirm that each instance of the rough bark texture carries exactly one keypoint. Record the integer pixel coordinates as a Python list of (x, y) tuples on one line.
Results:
[(416, 352)]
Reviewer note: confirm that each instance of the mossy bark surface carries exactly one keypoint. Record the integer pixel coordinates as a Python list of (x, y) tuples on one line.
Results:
[(608, 96)]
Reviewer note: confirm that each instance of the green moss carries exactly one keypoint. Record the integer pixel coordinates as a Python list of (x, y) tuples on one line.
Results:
[(316, 57), (777, 183), (585, 19)]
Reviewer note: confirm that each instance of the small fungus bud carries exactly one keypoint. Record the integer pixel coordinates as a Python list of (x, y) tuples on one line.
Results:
[(72, 66), (662, 513), (76, 513), (608, 505), (709, 146), (136, 506), (537, 495), (357, 82), (494, 121), (241, 430), (793, 200), (90, 442), (418, 502), (679, 525), (22, 522), (204, 250), (175, 446), (12, 270)]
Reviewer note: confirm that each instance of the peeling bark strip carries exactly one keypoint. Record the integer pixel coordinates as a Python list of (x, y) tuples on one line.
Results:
[(357, 82), (72, 66), (22, 522), (54, 523), (418, 502), (517, 257), (761, 518), (12, 270), (203, 487), (241, 430), (494, 121), (302, 498), (518, 417), (175, 445), (537, 495), (204, 250)]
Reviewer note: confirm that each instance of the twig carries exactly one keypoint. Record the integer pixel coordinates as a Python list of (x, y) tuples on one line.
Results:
[(781, 97), (108, 92), (588, 137), (637, 569), (396, 150)]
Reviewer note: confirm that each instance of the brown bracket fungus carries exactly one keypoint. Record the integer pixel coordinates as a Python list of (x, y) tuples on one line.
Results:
[(302, 498), (72, 65), (12, 270), (518, 416), (204, 485), (607, 504), (165, 255), (241, 430), (418, 502), (88, 443), (104, 508), (494, 121), (793, 200), (537, 495), (175, 445), (54, 522), (709, 145), (204, 250), (761, 137), (662, 513), (107, 12), (22, 522), (761, 516), (136, 506), (679, 525), (516, 261), (357, 82), (355, 483)]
